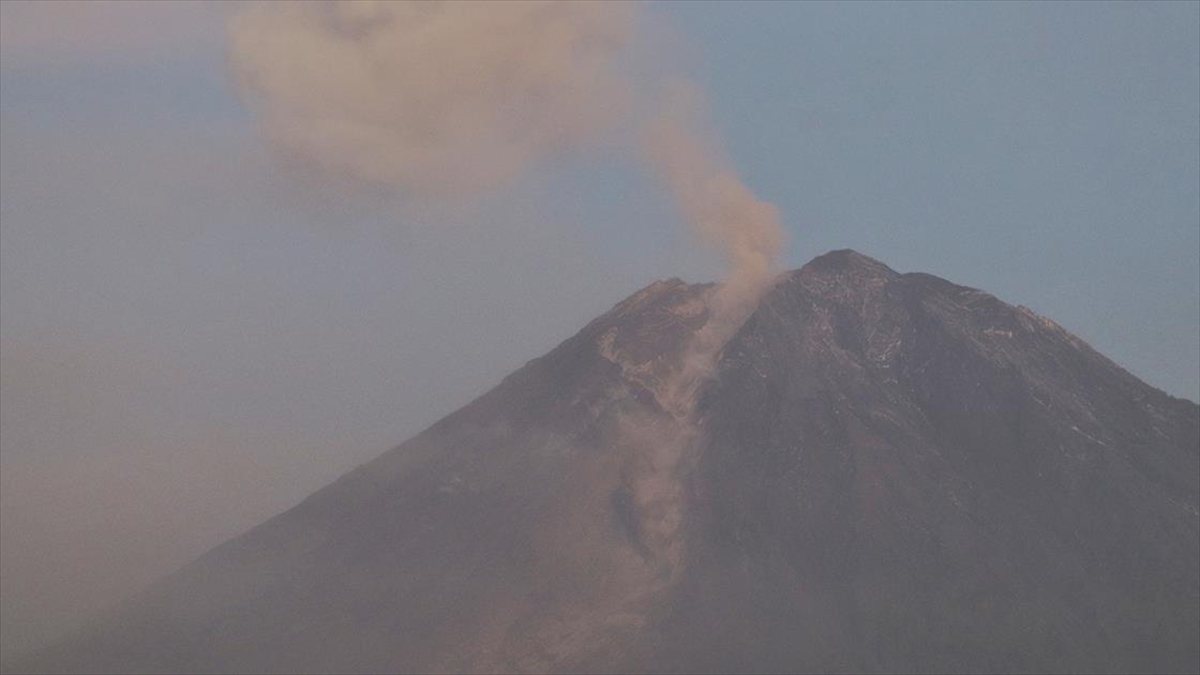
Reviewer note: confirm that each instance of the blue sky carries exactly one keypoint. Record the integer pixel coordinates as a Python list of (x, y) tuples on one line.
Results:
[(1047, 153), (187, 323)]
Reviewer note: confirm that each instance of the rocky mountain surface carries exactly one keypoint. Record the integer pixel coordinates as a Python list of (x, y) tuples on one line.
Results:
[(885, 472)]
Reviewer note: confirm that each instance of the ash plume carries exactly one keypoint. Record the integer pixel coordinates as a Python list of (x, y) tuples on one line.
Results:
[(448, 100), (432, 99), (719, 206)]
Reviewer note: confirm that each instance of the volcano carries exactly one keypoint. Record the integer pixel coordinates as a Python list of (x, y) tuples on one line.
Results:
[(882, 472)]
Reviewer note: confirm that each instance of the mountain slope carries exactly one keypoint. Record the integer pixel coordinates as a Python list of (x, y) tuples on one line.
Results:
[(886, 472), (905, 474)]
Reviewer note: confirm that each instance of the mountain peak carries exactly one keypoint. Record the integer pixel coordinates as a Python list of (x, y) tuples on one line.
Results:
[(847, 261)]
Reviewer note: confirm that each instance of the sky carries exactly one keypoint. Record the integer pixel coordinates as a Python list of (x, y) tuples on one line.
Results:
[(194, 335)]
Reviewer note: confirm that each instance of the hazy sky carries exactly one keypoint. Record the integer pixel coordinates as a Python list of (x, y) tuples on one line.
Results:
[(194, 337)]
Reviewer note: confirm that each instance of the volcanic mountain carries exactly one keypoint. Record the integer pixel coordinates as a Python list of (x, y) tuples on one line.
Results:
[(883, 472)]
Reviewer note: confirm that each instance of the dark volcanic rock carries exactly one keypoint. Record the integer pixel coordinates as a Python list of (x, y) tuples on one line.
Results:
[(888, 472)]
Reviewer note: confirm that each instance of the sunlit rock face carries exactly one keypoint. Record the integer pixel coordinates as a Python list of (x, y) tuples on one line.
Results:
[(885, 472)]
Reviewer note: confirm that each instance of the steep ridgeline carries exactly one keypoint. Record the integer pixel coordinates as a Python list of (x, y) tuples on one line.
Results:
[(886, 472)]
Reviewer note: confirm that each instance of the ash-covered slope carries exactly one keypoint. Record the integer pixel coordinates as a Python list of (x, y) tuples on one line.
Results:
[(886, 472), (899, 473)]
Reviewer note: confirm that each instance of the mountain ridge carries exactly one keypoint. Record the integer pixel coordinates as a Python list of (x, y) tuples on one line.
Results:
[(885, 471)]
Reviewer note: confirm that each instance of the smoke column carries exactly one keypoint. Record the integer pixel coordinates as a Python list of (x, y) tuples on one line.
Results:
[(441, 100), (446, 100), (716, 203)]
